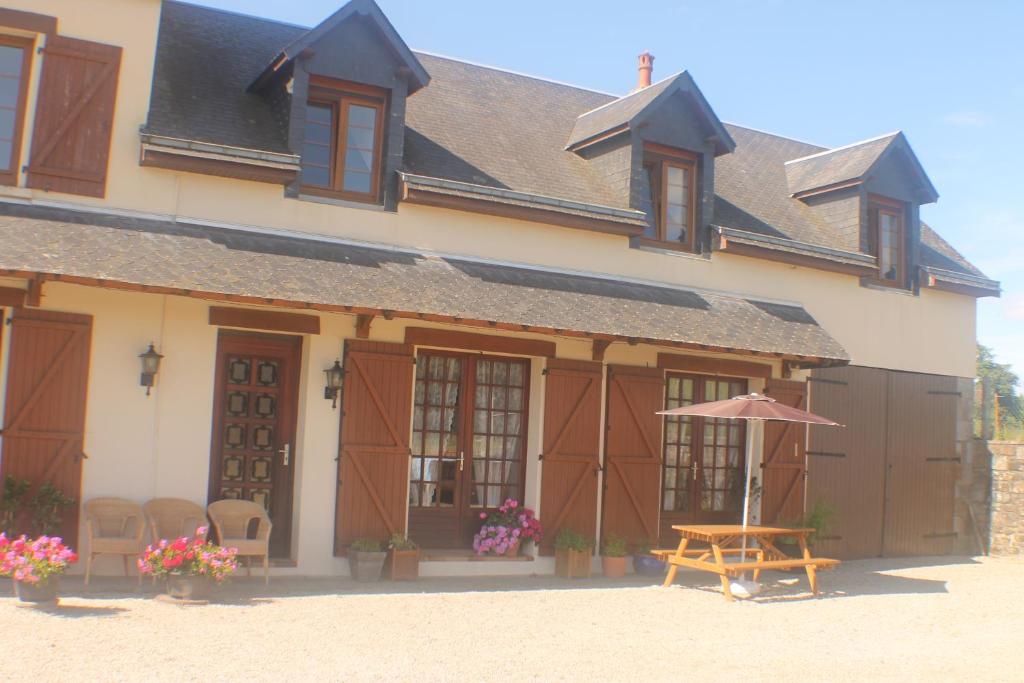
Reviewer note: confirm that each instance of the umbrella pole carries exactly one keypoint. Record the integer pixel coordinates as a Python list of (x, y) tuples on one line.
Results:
[(746, 495)]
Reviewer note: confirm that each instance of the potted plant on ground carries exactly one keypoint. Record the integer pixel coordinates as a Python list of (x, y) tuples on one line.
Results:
[(189, 566), (504, 531), (644, 563), (366, 559), (572, 554), (613, 556), (403, 559), (35, 565), (10, 503), (819, 518)]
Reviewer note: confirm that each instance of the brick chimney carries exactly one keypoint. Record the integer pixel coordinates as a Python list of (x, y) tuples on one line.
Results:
[(645, 68)]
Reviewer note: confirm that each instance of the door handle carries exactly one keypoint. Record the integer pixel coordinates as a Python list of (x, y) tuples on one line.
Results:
[(286, 454), (461, 459), (693, 468)]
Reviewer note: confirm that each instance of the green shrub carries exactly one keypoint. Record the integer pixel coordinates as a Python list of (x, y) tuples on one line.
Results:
[(401, 542), (366, 545), (567, 539), (614, 546)]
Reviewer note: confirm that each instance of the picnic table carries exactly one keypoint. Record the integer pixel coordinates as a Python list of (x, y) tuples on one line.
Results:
[(725, 540)]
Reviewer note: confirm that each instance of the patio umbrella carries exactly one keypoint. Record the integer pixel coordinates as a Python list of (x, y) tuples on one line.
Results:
[(756, 409)]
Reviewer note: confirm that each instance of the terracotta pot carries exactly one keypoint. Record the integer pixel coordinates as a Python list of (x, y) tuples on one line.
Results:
[(613, 567), (366, 566), (182, 587), (404, 565), (572, 564), (38, 592)]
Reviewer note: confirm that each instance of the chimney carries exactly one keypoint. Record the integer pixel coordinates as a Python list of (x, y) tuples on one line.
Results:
[(645, 68)]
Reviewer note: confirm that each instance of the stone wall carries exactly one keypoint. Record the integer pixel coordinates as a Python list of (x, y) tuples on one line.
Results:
[(993, 488)]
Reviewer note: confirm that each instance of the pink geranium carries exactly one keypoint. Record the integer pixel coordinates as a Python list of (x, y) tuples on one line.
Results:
[(189, 557), (34, 561), (505, 528)]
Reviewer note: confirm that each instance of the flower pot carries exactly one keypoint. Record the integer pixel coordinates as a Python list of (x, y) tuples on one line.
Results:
[(613, 567), (572, 564), (366, 566), (44, 591), (188, 587), (404, 565), (649, 565)]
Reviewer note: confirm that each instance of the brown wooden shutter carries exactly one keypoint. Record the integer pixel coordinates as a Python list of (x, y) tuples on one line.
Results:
[(785, 457), (44, 417), (373, 461), (632, 488), (74, 117), (571, 455)]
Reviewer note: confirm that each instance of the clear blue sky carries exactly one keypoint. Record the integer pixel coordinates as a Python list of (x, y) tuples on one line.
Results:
[(949, 74)]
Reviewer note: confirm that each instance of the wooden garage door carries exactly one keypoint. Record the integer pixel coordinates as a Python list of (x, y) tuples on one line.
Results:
[(44, 416), (846, 467), (784, 462), (922, 465), (571, 459), (633, 452), (373, 460)]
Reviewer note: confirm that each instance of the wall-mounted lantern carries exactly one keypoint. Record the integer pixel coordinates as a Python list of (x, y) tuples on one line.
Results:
[(335, 377), (150, 366)]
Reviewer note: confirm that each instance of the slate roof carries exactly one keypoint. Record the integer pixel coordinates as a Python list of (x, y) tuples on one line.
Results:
[(617, 112), (822, 169), (224, 261), (472, 124)]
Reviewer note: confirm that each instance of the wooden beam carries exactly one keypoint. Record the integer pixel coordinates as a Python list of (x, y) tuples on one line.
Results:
[(714, 366), (450, 339), (363, 321), (217, 167), (252, 319), (27, 21), (728, 246), (34, 297), (12, 296), (600, 346)]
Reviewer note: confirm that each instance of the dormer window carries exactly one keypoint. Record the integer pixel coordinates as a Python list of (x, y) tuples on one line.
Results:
[(341, 152), (15, 63), (672, 175), (887, 233)]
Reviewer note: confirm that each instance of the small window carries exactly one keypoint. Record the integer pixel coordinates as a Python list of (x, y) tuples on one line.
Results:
[(673, 180), (888, 240), (343, 138), (15, 63)]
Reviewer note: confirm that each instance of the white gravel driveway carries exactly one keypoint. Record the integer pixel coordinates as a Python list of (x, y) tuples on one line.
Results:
[(937, 619)]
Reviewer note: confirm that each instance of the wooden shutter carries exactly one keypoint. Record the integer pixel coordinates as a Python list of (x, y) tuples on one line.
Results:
[(74, 117), (632, 495), (373, 460), (44, 418), (571, 458), (785, 451)]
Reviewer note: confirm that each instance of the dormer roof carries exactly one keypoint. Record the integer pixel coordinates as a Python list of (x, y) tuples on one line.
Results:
[(626, 112), (851, 164), (368, 9)]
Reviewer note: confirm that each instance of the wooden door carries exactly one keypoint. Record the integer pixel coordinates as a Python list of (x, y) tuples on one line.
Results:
[(632, 464), (373, 459), (44, 417), (571, 458), (783, 465), (252, 455), (703, 459), (468, 443)]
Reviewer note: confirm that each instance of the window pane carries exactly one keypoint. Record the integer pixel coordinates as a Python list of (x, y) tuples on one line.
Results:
[(320, 134), (5, 154), (316, 150), (319, 113), (9, 86), (317, 155), (6, 124), (358, 160), (363, 117), (361, 138)]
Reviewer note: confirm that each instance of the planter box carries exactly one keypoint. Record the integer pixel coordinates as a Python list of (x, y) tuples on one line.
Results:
[(613, 567), (404, 565), (36, 592), (366, 566), (188, 588), (572, 564)]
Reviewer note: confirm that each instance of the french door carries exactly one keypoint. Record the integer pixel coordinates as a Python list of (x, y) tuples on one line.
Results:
[(468, 443), (703, 458)]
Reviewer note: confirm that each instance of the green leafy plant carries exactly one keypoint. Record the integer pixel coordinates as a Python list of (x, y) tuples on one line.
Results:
[(819, 518), (366, 545), (641, 546), (567, 539), (10, 504), (47, 508), (614, 546), (401, 542)]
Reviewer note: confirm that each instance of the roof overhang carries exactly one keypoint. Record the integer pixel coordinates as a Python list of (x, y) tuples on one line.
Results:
[(194, 156), (958, 283), (769, 247)]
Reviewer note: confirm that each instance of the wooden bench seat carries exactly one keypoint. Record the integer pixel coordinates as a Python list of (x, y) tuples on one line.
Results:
[(702, 551), (794, 563)]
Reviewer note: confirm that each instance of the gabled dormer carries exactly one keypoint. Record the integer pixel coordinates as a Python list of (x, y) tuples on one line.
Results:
[(871, 192), (658, 145)]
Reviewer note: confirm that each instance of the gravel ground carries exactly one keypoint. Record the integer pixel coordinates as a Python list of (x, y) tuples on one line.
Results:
[(922, 619)]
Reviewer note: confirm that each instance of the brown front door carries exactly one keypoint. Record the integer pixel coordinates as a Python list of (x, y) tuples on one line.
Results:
[(704, 459), (468, 443), (252, 456)]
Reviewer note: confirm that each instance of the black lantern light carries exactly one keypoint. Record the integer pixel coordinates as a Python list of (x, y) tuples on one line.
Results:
[(335, 376), (150, 366)]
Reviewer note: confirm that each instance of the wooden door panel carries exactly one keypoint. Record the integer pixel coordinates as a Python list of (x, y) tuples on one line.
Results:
[(47, 390), (784, 461), (571, 454), (373, 460), (633, 453)]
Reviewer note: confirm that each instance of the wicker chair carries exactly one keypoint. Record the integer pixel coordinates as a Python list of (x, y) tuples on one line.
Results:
[(114, 526), (231, 519), (171, 518)]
